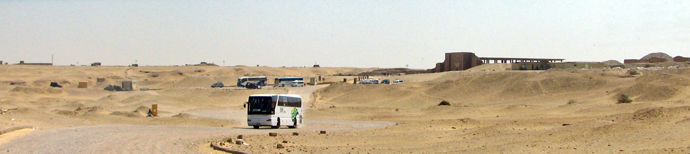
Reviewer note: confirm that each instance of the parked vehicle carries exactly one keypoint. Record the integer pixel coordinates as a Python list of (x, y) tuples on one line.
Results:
[(385, 81), (286, 81), (113, 87), (365, 82), (374, 81), (55, 84), (218, 85), (241, 81), (297, 83), (398, 81), (253, 84)]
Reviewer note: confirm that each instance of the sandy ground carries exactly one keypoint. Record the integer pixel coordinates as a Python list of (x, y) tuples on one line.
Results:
[(491, 111)]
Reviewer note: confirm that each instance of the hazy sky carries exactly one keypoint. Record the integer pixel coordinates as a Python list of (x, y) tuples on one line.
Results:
[(337, 33)]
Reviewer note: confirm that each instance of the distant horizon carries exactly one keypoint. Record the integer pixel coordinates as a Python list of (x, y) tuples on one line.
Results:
[(385, 34), (221, 65)]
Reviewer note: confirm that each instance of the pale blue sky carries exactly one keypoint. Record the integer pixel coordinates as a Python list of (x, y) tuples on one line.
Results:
[(337, 33)]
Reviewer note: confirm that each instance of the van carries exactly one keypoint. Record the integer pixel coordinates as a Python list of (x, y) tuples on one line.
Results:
[(218, 85), (298, 83)]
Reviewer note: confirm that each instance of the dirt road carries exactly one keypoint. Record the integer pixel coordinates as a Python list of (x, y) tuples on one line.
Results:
[(157, 139)]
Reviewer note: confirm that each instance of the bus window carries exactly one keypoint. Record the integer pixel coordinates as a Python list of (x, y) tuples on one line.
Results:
[(260, 105)]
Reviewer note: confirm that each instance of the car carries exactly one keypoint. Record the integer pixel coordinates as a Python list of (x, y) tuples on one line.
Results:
[(218, 84), (297, 83), (374, 81), (113, 87), (385, 81), (398, 81), (55, 84), (365, 82), (253, 84)]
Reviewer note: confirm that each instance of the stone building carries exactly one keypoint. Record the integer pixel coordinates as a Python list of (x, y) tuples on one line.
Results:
[(458, 61), (681, 59)]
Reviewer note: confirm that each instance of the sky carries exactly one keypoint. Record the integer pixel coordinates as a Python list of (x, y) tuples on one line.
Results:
[(385, 34)]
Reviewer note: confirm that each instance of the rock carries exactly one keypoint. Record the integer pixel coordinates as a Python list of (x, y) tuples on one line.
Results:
[(295, 133), (272, 134), (239, 136), (280, 146), (285, 141), (229, 140), (239, 142), (322, 132), (566, 124), (453, 127)]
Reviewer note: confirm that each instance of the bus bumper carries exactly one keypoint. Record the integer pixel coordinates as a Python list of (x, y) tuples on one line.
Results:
[(261, 120)]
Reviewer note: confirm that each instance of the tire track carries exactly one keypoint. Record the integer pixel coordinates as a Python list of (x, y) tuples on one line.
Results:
[(155, 139)]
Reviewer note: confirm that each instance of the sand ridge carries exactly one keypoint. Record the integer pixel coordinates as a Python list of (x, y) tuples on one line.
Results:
[(492, 110)]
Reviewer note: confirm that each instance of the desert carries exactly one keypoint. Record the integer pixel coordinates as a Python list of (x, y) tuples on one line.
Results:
[(490, 109)]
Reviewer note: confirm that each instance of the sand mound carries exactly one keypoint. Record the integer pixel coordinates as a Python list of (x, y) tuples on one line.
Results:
[(183, 115), (516, 84), (463, 121), (659, 55), (66, 112), (652, 114), (197, 81), (352, 94), (142, 110), (175, 73), (95, 109), (15, 83), (36, 90), (614, 63), (127, 114), (134, 99), (491, 67), (656, 86)]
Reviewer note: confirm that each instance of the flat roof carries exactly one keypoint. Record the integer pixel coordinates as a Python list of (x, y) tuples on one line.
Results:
[(505, 58), (269, 95)]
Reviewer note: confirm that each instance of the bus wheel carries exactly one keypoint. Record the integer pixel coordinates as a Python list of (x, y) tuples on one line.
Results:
[(294, 124), (277, 125), (256, 127)]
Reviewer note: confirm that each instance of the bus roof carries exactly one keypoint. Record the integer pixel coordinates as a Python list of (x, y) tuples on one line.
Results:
[(253, 77), (289, 77), (269, 95)]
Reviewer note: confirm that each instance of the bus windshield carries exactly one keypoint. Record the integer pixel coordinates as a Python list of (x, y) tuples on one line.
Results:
[(261, 105)]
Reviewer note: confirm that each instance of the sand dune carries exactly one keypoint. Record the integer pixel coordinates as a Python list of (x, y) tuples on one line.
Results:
[(492, 110)]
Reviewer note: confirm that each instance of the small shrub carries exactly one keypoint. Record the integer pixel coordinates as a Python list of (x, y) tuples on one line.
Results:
[(572, 101), (624, 99), (444, 102)]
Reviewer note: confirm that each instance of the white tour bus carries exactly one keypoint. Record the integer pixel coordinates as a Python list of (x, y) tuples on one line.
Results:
[(274, 110), (286, 81)]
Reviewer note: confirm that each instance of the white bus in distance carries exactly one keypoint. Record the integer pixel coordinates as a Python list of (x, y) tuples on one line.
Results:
[(274, 110), (243, 80), (286, 81)]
